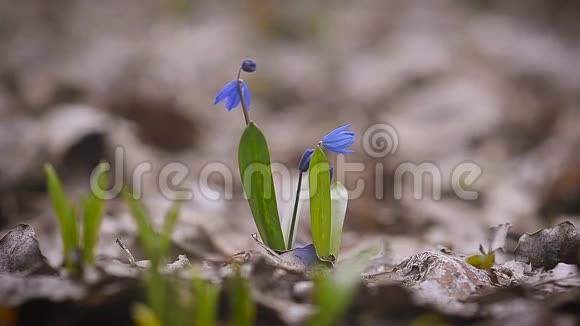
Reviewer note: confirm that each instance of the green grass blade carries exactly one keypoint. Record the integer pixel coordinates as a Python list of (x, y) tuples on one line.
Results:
[(206, 302), (94, 207), (93, 212), (242, 305), (333, 293), (320, 207), (65, 213), (171, 218), (146, 233), (339, 201), (144, 316), (256, 174)]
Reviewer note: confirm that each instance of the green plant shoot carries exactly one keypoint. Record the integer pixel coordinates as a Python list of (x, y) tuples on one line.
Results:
[(65, 212), (241, 302), (93, 209), (156, 248), (339, 201), (256, 174), (320, 205), (205, 302), (333, 292)]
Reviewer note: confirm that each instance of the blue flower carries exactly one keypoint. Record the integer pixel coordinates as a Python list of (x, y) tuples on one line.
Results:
[(339, 139), (232, 96), (331, 173), (249, 65), (305, 160)]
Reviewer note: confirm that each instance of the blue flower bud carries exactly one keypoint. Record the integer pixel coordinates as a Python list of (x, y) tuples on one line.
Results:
[(305, 160), (331, 173), (249, 65)]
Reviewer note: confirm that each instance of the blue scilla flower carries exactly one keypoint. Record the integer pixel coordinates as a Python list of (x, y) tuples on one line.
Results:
[(339, 139), (249, 65), (305, 160), (231, 94)]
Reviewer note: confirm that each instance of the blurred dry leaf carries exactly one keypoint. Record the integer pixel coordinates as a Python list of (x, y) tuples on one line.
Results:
[(548, 247), (15, 290), (20, 254), (496, 237)]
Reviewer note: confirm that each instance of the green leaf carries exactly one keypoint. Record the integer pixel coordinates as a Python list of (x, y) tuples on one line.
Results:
[(320, 206), (144, 316), (481, 261), (241, 302), (339, 201), (171, 218), (94, 207), (256, 174), (206, 302), (65, 212), (146, 233), (333, 293)]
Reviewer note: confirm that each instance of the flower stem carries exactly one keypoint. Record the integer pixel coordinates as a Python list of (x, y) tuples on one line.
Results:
[(294, 212), (242, 99)]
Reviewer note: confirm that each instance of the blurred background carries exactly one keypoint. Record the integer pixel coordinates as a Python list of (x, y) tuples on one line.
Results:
[(495, 83)]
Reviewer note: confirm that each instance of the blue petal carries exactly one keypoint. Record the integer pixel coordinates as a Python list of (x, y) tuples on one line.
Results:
[(233, 100), (337, 131), (340, 150), (305, 160), (342, 136), (340, 143), (247, 95), (225, 92), (339, 137)]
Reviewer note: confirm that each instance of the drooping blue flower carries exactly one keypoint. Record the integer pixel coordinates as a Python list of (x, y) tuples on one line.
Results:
[(231, 95), (249, 65), (305, 160), (339, 139)]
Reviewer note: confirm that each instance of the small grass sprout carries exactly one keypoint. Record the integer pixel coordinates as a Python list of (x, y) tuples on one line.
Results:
[(93, 207)]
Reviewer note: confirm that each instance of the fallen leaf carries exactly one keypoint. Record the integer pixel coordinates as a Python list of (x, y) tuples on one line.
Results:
[(496, 237), (548, 247), (19, 253), (299, 258)]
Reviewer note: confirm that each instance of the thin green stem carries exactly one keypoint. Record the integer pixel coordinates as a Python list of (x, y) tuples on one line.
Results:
[(242, 99), (294, 212)]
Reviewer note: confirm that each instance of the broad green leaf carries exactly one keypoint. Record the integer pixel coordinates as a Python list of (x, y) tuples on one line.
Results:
[(65, 213), (94, 207), (287, 221), (339, 200), (481, 261), (320, 211), (256, 174)]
